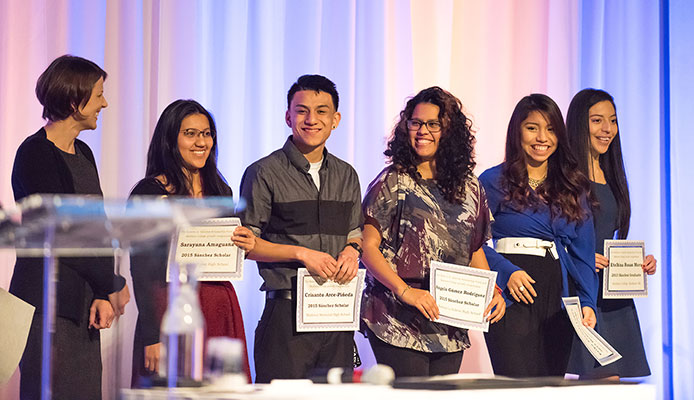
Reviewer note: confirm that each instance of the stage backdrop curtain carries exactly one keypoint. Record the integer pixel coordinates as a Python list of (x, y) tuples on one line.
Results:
[(679, 317), (239, 57)]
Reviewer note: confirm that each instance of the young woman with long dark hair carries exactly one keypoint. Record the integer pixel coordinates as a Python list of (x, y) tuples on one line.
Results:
[(181, 161), (427, 205), (593, 130), (543, 233)]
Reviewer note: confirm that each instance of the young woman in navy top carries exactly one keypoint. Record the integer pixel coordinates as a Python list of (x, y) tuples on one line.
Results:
[(591, 123)]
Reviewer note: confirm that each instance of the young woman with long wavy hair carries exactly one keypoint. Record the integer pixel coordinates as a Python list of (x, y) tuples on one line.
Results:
[(543, 233)]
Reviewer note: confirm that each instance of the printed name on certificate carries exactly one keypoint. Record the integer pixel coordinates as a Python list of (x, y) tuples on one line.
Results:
[(208, 245), (462, 294), (324, 305), (624, 277)]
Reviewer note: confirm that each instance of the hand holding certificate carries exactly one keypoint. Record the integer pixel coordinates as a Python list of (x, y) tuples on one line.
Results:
[(323, 305), (209, 246), (462, 294), (624, 277), (598, 347)]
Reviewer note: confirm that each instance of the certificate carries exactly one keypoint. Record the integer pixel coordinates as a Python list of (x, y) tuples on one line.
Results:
[(596, 345), (462, 294), (208, 245), (624, 278), (324, 305)]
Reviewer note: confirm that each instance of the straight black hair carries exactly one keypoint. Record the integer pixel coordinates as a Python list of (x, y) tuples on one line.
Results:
[(611, 162), (164, 158)]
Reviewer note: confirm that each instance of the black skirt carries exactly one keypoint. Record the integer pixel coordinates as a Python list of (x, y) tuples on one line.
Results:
[(533, 339), (76, 369)]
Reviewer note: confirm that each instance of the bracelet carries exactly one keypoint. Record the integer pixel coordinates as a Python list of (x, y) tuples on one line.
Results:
[(405, 290), (355, 246)]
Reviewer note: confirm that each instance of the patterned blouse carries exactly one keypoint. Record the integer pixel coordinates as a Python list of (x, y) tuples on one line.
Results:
[(419, 225)]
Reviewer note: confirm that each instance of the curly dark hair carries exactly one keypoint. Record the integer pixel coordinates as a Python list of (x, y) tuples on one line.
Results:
[(566, 188), (611, 162), (455, 154)]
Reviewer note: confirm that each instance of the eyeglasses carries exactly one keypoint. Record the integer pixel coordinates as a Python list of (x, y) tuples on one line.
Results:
[(415, 125), (193, 133)]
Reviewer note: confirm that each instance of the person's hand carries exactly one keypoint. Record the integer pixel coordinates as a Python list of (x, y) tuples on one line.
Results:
[(347, 265), (152, 354), (498, 305), (243, 238), (101, 314), (318, 263), (422, 300), (589, 318), (521, 288), (601, 262), (649, 264), (119, 299)]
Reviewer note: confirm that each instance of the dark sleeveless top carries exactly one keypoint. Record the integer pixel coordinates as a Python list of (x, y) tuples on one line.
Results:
[(605, 215)]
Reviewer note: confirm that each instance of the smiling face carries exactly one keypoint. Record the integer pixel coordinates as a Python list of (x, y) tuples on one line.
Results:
[(89, 113), (602, 123), (312, 117), (424, 142), (537, 139), (195, 141)]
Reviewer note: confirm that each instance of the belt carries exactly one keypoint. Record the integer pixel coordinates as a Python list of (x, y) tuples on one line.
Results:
[(283, 294), (525, 245)]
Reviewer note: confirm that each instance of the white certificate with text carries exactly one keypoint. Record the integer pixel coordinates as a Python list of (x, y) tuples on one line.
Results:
[(208, 245), (598, 347), (624, 278), (462, 294), (323, 305)]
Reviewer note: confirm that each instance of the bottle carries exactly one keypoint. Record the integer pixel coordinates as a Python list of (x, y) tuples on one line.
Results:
[(183, 334)]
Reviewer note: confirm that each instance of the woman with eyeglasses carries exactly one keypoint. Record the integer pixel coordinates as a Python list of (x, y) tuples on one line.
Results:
[(591, 123), (426, 206), (181, 161), (543, 233)]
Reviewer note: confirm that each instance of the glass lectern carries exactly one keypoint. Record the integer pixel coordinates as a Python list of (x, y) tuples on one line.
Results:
[(54, 226)]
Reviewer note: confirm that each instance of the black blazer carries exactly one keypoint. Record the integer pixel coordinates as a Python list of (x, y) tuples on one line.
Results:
[(39, 168)]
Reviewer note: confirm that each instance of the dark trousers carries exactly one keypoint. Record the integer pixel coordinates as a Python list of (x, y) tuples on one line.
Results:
[(533, 339), (283, 353), (408, 362)]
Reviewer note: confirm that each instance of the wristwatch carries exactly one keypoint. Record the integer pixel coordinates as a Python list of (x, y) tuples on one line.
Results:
[(356, 247)]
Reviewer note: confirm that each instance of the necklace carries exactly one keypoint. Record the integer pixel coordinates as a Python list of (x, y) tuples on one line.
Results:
[(534, 183)]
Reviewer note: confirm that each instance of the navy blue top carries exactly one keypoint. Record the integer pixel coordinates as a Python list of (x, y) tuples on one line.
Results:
[(605, 215), (575, 243)]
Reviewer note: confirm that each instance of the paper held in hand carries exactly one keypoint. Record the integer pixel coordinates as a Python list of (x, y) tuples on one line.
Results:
[(598, 347), (624, 278), (462, 294), (208, 245), (323, 305)]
